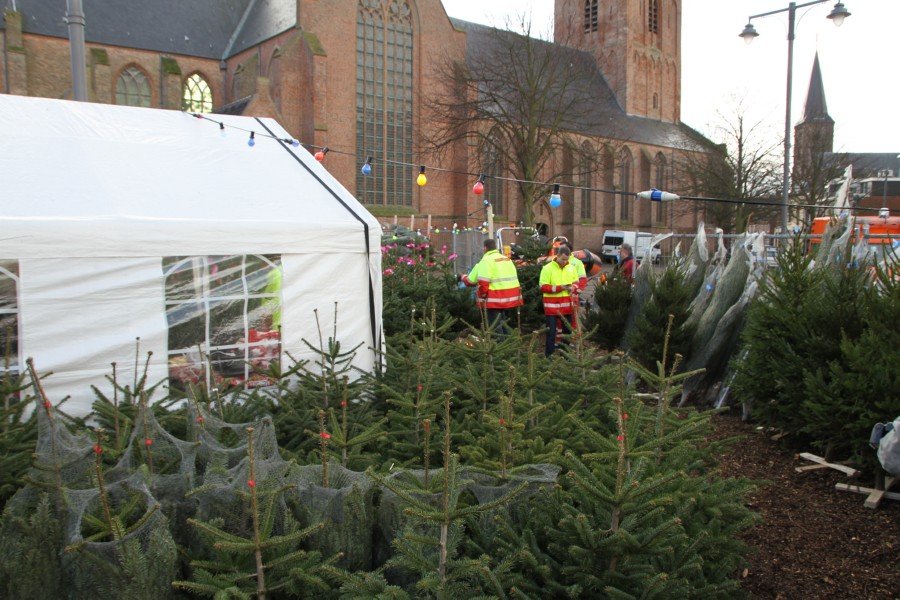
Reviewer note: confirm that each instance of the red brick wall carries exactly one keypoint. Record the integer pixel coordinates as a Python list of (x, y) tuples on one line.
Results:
[(312, 92)]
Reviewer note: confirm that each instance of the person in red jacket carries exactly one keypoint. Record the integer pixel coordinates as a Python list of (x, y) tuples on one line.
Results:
[(626, 263)]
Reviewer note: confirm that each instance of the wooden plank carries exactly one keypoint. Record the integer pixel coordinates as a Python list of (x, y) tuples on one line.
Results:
[(874, 497), (850, 471), (814, 467)]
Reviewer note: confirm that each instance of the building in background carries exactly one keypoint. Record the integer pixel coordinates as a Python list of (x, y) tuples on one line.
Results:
[(354, 75), (875, 175)]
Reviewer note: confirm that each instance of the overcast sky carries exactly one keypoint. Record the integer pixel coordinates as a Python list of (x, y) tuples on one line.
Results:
[(860, 62)]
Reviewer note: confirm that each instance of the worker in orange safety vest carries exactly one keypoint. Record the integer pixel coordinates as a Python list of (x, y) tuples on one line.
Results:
[(497, 283), (559, 286)]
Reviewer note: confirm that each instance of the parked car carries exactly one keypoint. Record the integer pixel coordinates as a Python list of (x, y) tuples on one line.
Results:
[(639, 242)]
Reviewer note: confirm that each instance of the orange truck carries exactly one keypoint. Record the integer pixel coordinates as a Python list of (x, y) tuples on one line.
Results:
[(880, 231)]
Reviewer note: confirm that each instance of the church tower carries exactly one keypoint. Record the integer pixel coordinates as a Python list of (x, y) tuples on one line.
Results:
[(637, 44), (814, 134)]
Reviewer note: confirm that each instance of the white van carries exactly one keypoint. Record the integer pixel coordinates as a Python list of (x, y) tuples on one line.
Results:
[(639, 242)]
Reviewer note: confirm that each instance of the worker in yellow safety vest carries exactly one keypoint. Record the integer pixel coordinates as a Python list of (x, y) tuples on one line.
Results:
[(497, 283), (559, 286)]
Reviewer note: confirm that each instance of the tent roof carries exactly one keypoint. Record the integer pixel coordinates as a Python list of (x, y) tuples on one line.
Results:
[(83, 179)]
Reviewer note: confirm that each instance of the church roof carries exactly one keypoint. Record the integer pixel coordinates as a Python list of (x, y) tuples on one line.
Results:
[(816, 108), (203, 28), (602, 115)]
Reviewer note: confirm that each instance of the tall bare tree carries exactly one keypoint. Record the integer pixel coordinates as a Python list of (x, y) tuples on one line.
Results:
[(815, 167), (744, 165), (520, 100)]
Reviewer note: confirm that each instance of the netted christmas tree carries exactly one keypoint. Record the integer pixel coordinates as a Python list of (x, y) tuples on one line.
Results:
[(428, 521), (666, 312), (255, 549), (18, 433), (607, 322), (118, 540)]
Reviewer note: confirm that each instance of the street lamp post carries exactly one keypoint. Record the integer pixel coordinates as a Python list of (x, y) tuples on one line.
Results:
[(884, 173), (837, 15)]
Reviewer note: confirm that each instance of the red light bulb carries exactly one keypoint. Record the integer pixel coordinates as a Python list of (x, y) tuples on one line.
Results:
[(478, 188)]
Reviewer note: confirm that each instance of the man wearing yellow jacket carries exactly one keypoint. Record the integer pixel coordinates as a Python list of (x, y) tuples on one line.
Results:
[(498, 284), (559, 284)]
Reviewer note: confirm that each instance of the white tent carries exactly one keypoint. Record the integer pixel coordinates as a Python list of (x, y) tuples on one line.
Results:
[(119, 223)]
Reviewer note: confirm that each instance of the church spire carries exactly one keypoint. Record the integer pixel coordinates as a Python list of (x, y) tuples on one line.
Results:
[(816, 108)]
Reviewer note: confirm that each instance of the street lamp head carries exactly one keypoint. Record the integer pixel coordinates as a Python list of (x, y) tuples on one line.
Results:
[(838, 14), (749, 33)]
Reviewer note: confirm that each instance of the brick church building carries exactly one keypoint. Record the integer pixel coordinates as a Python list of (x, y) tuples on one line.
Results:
[(354, 75)]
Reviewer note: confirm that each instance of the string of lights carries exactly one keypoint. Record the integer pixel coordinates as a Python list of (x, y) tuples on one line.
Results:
[(555, 199)]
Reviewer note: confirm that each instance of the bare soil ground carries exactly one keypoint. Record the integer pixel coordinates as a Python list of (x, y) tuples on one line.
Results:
[(813, 541)]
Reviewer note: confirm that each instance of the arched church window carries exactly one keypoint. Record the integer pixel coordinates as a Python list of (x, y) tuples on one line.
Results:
[(591, 15), (196, 96), (133, 88), (653, 16), (9, 319), (384, 101)]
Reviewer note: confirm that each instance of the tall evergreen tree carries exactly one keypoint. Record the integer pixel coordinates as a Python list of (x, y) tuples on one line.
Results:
[(670, 298), (429, 547), (613, 303)]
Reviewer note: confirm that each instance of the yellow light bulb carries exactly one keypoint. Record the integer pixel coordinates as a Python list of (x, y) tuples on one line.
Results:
[(421, 180)]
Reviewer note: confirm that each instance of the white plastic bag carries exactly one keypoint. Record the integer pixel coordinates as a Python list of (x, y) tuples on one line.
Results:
[(889, 450)]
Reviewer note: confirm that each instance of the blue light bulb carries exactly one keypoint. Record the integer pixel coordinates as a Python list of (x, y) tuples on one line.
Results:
[(555, 198), (252, 141), (367, 168)]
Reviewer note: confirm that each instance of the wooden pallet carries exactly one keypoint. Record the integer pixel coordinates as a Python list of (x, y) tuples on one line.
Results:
[(821, 463), (873, 496)]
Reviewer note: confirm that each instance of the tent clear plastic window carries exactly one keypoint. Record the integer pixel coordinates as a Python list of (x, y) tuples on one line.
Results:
[(9, 318), (224, 319)]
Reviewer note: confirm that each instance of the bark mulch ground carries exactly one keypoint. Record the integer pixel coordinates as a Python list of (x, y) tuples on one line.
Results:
[(813, 541)]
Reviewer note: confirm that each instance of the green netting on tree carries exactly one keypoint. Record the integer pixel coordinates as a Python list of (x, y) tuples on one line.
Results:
[(839, 250), (713, 352), (225, 444), (644, 276), (721, 347), (170, 464), (33, 519), (346, 507), (697, 260), (711, 277), (487, 487), (61, 458), (219, 495), (731, 286), (118, 543)]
